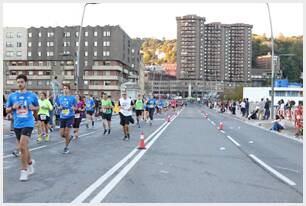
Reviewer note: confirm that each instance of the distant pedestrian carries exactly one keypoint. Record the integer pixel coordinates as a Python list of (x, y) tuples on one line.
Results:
[(267, 109)]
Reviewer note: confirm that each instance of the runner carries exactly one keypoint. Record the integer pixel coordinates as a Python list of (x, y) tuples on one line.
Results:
[(67, 104), (106, 110), (90, 110), (51, 124), (139, 107), (22, 103), (79, 110), (146, 110), (151, 104), (173, 104), (126, 106), (44, 117)]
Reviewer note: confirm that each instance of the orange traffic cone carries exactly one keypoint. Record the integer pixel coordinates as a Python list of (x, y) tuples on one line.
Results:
[(169, 118), (221, 126), (141, 144)]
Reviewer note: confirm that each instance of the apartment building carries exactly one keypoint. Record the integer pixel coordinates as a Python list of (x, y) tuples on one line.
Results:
[(52, 51)]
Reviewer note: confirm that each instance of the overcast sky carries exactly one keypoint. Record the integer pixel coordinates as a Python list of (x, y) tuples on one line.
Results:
[(156, 19)]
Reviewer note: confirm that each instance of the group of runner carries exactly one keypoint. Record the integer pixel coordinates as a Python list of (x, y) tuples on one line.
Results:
[(28, 110)]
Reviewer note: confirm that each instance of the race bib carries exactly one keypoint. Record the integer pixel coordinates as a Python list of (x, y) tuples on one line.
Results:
[(65, 112), (77, 115), (43, 117), (22, 112)]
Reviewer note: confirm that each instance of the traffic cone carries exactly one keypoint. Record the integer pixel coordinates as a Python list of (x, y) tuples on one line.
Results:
[(221, 126), (141, 144), (168, 118)]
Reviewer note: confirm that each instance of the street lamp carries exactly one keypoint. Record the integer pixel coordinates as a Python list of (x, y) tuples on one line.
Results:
[(79, 48), (272, 64)]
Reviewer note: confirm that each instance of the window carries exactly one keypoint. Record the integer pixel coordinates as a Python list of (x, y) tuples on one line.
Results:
[(39, 44), (95, 43), (77, 34), (133, 51), (19, 35), (39, 34), (95, 53), (106, 83), (86, 43), (50, 54), (95, 33), (29, 44), (9, 35), (106, 43), (66, 43), (41, 63), (86, 53), (29, 54), (86, 82), (30, 34), (39, 54), (106, 33), (9, 44), (105, 53), (50, 34), (86, 63), (50, 44), (9, 53), (40, 83), (86, 33), (67, 34), (77, 43), (19, 53)]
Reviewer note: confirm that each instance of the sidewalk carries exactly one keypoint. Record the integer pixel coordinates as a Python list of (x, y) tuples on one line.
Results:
[(288, 132)]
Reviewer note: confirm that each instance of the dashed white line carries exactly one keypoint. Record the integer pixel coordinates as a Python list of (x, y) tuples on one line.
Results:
[(273, 171), (213, 122), (222, 131), (234, 141)]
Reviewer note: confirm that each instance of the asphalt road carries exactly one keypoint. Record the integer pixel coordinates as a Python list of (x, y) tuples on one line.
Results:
[(186, 160)]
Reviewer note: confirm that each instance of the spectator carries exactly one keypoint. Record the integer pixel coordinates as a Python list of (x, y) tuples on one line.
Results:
[(234, 108), (242, 107), (261, 106), (278, 123), (281, 110), (247, 107), (267, 109)]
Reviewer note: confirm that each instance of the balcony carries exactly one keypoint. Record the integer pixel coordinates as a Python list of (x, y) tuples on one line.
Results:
[(104, 87), (106, 68), (103, 77), (31, 68), (69, 68), (69, 77), (36, 77)]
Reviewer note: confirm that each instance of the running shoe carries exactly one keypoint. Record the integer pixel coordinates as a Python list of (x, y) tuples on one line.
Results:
[(66, 150), (23, 175), (31, 168)]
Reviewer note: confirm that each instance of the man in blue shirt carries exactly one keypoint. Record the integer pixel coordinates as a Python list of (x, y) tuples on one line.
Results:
[(22, 104), (66, 104), (151, 104), (90, 110)]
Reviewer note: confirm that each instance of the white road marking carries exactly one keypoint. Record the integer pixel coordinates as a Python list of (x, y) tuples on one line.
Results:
[(36, 148), (222, 131), (251, 142), (86, 193), (164, 171), (222, 148), (208, 119), (270, 169), (284, 168), (234, 141), (231, 128), (110, 186), (213, 122)]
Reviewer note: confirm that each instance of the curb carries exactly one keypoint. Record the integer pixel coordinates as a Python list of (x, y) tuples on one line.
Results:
[(255, 125)]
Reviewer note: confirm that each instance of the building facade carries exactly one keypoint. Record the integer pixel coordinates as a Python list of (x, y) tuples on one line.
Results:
[(213, 51), (108, 58)]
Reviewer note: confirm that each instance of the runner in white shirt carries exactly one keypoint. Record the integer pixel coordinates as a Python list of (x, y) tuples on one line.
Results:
[(126, 110)]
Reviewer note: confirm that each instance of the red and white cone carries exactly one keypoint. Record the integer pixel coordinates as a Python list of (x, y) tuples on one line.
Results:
[(221, 126), (141, 144), (168, 118)]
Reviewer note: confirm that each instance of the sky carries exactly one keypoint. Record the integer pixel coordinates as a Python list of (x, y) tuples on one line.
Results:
[(156, 20)]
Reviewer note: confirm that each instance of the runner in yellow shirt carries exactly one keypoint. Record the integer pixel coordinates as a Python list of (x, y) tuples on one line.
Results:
[(45, 107)]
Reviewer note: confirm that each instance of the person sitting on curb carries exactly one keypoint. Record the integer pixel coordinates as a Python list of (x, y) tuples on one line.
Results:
[(278, 123)]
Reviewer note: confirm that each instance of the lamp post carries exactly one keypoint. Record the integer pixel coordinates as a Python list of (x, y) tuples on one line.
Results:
[(272, 65), (79, 48)]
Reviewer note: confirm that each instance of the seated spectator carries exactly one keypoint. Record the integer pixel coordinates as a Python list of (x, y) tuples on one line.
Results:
[(278, 123)]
